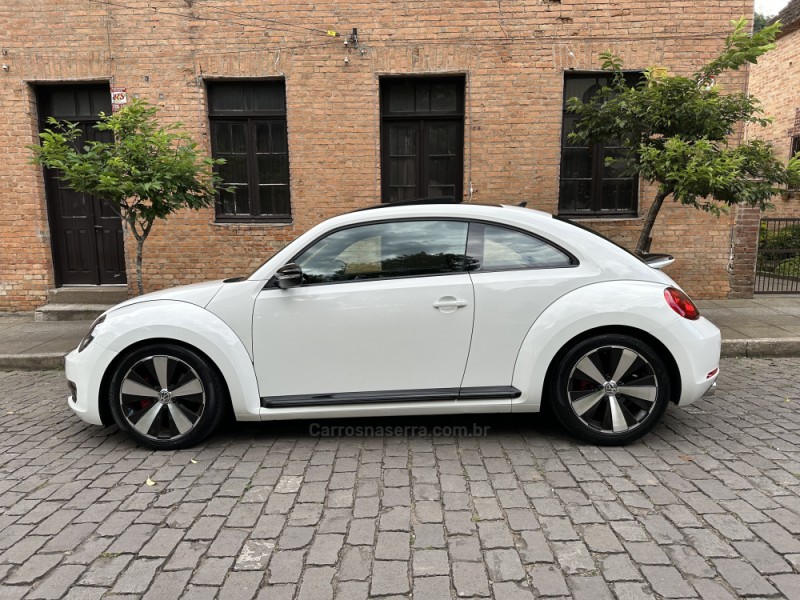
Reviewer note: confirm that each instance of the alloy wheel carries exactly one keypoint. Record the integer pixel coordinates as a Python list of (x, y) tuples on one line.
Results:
[(612, 389), (162, 397)]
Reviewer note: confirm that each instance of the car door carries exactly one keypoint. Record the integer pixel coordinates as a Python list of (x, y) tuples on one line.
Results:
[(516, 276), (384, 313)]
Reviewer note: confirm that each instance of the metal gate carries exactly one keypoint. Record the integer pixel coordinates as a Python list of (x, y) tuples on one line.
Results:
[(778, 262)]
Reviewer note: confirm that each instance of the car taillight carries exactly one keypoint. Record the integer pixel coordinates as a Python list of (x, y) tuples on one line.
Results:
[(681, 304)]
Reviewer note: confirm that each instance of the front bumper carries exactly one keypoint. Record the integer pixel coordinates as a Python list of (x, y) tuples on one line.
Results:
[(84, 371)]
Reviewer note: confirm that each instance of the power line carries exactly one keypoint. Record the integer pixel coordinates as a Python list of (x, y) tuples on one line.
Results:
[(102, 55), (264, 50), (269, 49), (482, 41), (267, 20), (574, 39), (442, 38), (190, 17)]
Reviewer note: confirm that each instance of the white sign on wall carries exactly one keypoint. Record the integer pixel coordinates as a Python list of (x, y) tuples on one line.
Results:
[(119, 98)]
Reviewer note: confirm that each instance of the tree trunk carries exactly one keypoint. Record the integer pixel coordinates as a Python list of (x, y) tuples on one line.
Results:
[(643, 245), (140, 238), (139, 244)]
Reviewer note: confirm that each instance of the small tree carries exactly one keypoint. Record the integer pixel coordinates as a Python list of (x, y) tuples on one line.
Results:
[(146, 173), (677, 131)]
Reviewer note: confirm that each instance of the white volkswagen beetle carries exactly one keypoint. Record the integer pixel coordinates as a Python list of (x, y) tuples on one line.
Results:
[(406, 310)]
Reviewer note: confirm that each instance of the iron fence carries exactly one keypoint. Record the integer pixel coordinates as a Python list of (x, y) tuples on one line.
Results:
[(778, 259)]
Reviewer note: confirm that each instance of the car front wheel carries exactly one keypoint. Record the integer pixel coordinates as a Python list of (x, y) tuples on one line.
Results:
[(166, 396), (610, 389)]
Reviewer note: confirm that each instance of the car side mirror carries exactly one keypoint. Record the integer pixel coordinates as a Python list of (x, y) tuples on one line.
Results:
[(289, 276)]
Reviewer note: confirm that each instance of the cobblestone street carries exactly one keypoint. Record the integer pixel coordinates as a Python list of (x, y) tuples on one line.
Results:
[(706, 506)]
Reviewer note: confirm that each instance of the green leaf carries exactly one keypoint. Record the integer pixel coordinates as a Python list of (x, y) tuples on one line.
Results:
[(677, 131)]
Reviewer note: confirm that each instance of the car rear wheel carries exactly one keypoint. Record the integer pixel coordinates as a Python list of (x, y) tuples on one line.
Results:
[(166, 396), (610, 389)]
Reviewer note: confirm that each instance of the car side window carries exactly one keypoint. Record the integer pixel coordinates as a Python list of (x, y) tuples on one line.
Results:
[(385, 250), (501, 249)]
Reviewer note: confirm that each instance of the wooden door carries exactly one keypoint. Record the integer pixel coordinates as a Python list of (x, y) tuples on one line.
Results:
[(85, 232)]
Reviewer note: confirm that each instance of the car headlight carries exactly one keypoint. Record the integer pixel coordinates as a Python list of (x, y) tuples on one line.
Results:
[(90, 336)]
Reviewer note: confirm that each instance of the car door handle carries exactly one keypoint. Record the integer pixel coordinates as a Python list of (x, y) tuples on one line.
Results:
[(448, 302)]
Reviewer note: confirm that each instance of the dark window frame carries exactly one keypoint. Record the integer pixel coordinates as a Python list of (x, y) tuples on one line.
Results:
[(421, 119), (598, 155), (44, 93), (252, 118)]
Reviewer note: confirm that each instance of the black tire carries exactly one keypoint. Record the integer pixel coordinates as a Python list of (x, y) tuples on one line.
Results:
[(621, 398), (142, 388)]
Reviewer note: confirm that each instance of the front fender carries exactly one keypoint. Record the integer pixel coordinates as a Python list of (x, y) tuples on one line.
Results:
[(192, 325), (635, 304)]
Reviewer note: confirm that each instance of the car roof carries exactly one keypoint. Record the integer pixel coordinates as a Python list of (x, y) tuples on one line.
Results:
[(416, 209), (424, 201)]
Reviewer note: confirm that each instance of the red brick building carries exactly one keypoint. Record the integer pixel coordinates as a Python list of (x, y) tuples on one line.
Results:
[(775, 81), (453, 98)]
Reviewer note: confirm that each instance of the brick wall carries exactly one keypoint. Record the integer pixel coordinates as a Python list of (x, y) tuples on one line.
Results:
[(775, 81), (513, 55)]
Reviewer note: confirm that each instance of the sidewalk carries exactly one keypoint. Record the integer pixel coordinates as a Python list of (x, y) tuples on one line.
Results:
[(768, 325), (29, 344)]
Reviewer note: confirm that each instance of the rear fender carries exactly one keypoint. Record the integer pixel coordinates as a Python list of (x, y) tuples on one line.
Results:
[(634, 304)]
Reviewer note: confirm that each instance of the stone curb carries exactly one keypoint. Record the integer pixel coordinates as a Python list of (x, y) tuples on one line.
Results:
[(32, 362), (761, 348)]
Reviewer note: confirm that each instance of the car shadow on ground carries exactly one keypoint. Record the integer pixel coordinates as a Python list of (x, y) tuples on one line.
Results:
[(538, 425), (468, 429)]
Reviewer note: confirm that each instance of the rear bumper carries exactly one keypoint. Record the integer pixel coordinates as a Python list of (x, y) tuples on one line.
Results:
[(695, 346)]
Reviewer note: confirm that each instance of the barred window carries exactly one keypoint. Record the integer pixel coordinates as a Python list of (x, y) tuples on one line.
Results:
[(422, 138), (588, 187), (248, 130)]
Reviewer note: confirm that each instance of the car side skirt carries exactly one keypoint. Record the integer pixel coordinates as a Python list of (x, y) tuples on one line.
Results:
[(439, 394)]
